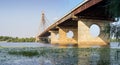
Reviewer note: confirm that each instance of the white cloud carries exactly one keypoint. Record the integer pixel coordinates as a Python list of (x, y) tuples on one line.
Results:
[(55, 18)]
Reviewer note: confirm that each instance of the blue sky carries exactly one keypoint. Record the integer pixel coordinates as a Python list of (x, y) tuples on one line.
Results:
[(21, 18)]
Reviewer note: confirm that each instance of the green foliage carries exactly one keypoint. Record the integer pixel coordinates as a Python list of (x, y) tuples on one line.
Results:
[(114, 8), (115, 40), (115, 32), (24, 53), (5, 38), (107, 30), (16, 39)]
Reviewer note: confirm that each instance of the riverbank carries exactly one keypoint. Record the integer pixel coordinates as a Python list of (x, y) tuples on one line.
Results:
[(16, 39)]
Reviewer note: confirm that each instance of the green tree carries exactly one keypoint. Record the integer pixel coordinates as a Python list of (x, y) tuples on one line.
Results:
[(16, 39), (114, 8), (115, 31)]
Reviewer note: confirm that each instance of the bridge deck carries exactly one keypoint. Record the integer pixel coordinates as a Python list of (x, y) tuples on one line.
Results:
[(89, 9)]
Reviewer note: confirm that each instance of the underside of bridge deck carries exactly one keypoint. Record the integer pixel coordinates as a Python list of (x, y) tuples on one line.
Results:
[(69, 23), (98, 11)]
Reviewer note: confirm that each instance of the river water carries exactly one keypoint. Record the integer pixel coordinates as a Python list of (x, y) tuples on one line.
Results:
[(46, 54), (24, 44)]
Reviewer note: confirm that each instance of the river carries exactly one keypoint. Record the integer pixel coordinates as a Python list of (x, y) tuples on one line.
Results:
[(27, 44), (46, 54)]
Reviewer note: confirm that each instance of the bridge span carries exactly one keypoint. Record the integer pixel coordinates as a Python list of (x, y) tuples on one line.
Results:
[(79, 21)]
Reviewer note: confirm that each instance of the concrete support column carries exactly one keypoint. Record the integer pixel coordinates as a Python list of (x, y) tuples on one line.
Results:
[(63, 39), (53, 38), (85, 39)]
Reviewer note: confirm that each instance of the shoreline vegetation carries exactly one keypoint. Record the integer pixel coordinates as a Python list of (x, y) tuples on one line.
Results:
[(31, 39), (16, 39)]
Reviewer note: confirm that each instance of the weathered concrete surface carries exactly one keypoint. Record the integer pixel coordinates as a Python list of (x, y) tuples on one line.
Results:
[(54, 39), (85, 39), (62, 38), (82, 36)]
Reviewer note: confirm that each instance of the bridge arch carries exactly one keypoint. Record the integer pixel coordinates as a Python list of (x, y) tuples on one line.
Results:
[(70, 34), (57, 36), (94, 30)]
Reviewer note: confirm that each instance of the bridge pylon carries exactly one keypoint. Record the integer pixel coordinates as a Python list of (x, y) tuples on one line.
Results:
[(43, 25)]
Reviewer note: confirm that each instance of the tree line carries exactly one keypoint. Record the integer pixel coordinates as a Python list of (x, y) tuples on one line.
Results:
[(113, 8), (16, 39)]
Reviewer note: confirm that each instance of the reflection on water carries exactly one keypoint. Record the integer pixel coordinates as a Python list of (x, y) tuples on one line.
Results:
[(59, 56)]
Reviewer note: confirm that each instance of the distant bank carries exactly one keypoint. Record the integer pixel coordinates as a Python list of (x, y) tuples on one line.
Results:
[(16, 39)]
